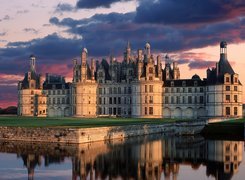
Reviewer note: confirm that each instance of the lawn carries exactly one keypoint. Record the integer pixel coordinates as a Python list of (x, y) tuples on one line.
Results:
[(76, 122), (235, 121)]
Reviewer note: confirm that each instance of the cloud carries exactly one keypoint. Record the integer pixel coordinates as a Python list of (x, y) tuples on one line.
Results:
[(30, 30), (88, 4), (3, 33), (104, 33), (22, 11), (62, 7), (5, 18), (188, 12)]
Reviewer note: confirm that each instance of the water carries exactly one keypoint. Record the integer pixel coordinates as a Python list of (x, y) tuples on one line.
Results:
[(150, 157)]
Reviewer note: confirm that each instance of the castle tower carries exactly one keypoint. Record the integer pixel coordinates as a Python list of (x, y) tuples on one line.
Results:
[(224, 90), (92, 68), (140, 63)]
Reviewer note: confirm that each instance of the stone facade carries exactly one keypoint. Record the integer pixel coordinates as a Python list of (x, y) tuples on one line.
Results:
[(137, 86)]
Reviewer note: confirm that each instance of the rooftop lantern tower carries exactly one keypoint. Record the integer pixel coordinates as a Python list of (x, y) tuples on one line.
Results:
[(32, 63)]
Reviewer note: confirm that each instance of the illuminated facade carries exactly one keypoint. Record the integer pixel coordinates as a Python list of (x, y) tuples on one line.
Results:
[(139, 86)]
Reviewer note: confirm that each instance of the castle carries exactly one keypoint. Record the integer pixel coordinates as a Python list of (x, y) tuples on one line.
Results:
[(136, 87)]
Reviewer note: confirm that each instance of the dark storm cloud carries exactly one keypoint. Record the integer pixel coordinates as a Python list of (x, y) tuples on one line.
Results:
[(91, 4), (51, 49), (191, 11), (103, 33)]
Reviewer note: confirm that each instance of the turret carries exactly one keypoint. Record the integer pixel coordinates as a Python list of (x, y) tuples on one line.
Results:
[(140, 63), (159, 67), (147, 50), (83, 65), (92, 68), (32, 63), (128, 52)]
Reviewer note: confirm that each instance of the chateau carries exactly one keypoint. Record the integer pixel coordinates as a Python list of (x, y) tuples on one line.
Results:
[(138, 87)]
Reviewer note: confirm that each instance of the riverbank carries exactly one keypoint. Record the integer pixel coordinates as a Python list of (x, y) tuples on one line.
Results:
[(73, 130), (233, 129)]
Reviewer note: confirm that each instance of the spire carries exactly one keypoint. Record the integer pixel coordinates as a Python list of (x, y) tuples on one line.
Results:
[(128, 45), (32, 63), (224, 66)]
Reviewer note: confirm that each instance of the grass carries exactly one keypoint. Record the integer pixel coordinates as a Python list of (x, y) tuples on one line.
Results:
[(233, 121), (15, 121)]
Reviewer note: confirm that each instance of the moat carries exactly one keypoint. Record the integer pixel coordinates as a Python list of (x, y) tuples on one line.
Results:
[(148, 157)]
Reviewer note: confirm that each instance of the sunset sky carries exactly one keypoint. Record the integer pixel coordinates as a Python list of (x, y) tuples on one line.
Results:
[(55, 31)]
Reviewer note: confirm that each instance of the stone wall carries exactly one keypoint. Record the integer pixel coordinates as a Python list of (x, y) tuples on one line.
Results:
[(80, 135)]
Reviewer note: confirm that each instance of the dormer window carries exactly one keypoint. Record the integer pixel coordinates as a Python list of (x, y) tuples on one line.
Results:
[(172, 83), (195, 83), (227, 79), (183, 83)]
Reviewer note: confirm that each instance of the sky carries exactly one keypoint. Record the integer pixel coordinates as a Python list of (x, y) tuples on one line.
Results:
[(56, 31)]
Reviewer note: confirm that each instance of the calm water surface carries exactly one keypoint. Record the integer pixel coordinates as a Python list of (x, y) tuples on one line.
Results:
[(150, 157)]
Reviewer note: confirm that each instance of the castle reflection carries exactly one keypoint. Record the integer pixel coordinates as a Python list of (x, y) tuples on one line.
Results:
[(147, 158)]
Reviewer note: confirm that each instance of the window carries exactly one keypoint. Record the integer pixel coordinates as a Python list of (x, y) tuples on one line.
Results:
[(172, 100), (129, 90), (151, 110), (183, 100), (100, 90), (195, 83), (177, 90), (151, 88), (227, 88), (54, 101), (58, 101), (125, 90), (100, 74), (58, 92), (63, 100), (166, 90), (110, 110), (119, 90), (235, 88), (119, 100), (145, 99), (183, 90), (172, 90), (166, 100), (172, 84), (145, 110), (189, 90), (201, 99), (100, 101), (195, 99), (227, 98), (201, 89), (227, 79), (151, 99), (110, 100), (235, 111), (236, 80), (183, 83), (115, 90), (145, 88), (178, 99), (235, 98), (189, 100), (115, 100), (227, 148), (228, 111), (125, 100), (110, 90)]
